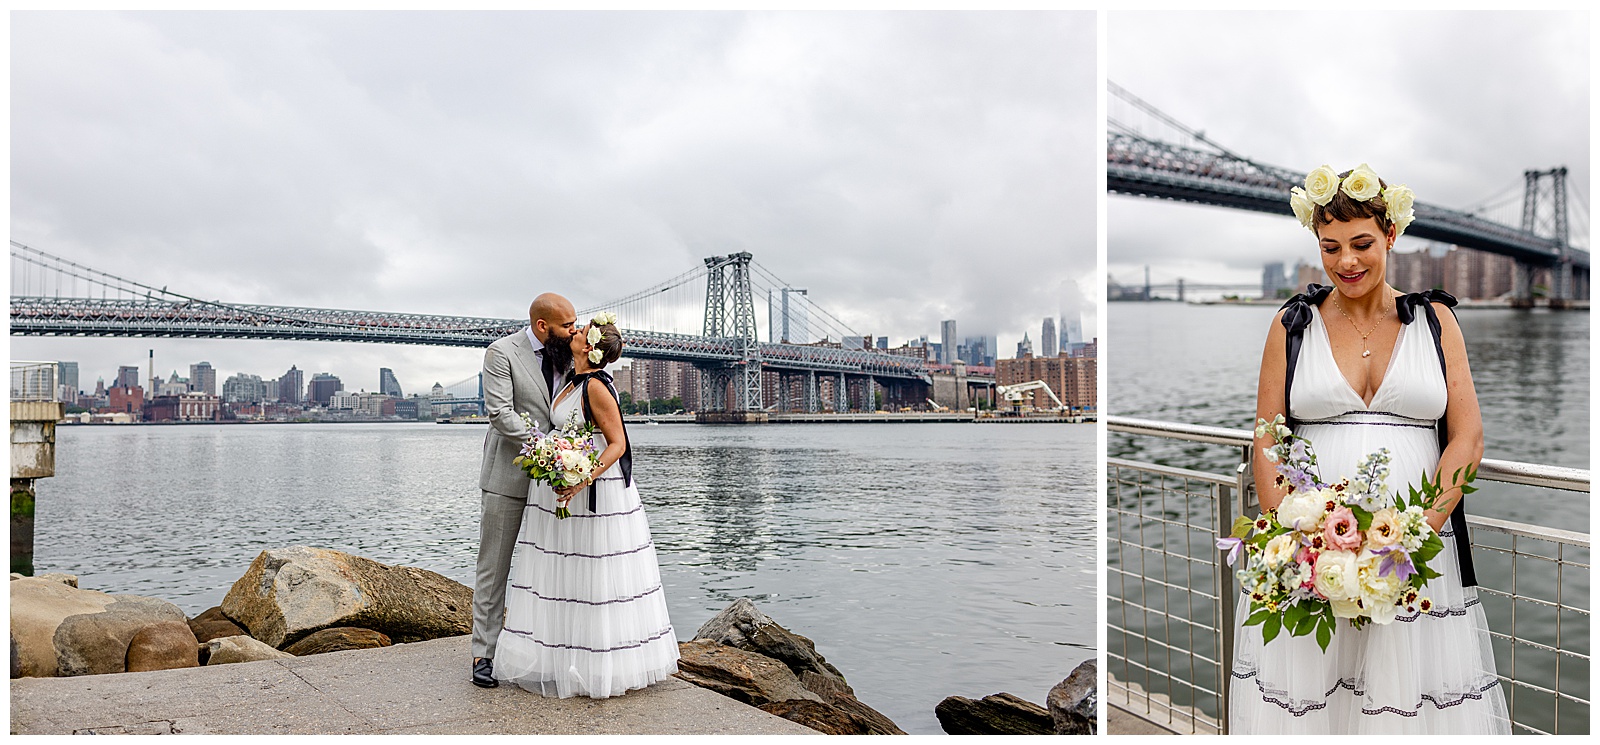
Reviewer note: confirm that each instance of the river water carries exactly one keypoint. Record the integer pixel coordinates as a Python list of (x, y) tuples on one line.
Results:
[(925, 560), (1200, 364)]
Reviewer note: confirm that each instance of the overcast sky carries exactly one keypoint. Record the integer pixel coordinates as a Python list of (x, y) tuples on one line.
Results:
[(904, 167), (1455, 105)]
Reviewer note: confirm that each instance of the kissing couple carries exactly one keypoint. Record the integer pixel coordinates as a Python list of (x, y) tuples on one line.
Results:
[(573, 606)]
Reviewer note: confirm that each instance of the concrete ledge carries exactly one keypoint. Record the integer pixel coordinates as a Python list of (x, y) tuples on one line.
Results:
[(419, 688)]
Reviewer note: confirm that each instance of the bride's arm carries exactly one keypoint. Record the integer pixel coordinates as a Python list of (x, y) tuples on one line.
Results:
[(1462, 416), (608, 417), (1269, 404)]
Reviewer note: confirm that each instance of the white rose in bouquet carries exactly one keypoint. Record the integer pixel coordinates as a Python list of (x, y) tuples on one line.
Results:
[(1281, 550), (1302, 511), (1338, 580), (1379, 591)]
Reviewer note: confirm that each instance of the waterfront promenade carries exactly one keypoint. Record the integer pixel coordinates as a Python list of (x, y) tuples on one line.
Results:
[(418, 688)]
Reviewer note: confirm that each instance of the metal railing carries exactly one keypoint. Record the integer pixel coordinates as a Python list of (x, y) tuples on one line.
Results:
[(1171, 599), (33, 381)]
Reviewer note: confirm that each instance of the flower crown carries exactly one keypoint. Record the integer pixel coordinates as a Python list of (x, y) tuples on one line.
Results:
[(603, 318), (1361, 185)]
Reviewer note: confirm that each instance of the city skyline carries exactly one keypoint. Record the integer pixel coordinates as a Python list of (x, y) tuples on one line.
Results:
[(464, 175)]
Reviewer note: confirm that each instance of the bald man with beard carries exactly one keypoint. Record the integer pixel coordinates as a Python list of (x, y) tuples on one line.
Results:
[(521, 371)]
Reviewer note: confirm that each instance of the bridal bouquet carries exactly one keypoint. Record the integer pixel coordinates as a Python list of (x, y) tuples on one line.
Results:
[(560, 458), (1345, 550)]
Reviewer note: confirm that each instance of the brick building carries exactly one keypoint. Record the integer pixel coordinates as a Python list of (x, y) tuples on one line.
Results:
[(184, 407), (1071, 378), (125, 400)]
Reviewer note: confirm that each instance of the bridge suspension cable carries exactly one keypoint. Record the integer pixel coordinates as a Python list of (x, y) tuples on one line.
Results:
[(831, 324), (43, 274)]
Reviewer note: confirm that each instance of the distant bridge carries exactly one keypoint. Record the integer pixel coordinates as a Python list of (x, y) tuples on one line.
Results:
[(1145, 158), (62, 298)]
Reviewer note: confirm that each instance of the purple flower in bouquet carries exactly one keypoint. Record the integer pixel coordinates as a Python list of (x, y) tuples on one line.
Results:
[(1233, 546), (1396, 562)]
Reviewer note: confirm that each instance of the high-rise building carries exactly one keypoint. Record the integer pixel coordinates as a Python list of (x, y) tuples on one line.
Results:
[(388, 385), (127, 376), (1048, 338), (1025, 347), (1273, 279), (322, 387), (1071, 331), (980, 350), (67, 381), (947, 342), (244, 388), (787, 319), (1305, 274), (883, 342), (203, 378), (291, 387)]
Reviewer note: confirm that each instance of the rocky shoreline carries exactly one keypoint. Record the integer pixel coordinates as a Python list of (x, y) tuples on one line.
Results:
[(300, 601)]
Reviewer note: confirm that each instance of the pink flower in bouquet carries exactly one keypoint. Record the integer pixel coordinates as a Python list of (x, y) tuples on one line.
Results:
[(1308, 558), (1341, 530)]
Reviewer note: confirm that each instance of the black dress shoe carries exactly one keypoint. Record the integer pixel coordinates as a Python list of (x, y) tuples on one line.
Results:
[(483, 673)]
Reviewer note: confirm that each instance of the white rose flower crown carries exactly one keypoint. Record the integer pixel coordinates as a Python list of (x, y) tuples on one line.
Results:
[(1361, 185), (603, 318)]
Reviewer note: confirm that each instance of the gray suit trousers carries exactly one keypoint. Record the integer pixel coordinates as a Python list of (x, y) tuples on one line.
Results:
[(497, 538)]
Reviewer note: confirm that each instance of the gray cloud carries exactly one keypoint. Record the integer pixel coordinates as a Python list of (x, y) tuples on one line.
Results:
[(904, 167), (1454, 104)]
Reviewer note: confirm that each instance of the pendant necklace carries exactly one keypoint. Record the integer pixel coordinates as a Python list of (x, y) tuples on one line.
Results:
[(1364, 351)]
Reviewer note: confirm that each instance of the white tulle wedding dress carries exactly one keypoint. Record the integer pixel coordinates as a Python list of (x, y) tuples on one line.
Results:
[(1425, 673), (585, 610)]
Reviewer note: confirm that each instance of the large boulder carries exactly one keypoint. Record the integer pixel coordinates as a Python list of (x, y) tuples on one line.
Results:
[(337, 640), (230, 649), (739, 675), (291, 592), (743, 626), (999, 714), (825, 702), (60, 630), (816, 715), (212, 624), (163, 646), (1072, 701)]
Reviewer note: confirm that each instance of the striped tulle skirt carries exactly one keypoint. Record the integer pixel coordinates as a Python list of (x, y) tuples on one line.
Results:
[(586, 614)]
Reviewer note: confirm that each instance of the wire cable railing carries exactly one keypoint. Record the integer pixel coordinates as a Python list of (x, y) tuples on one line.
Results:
[(1171, 599)]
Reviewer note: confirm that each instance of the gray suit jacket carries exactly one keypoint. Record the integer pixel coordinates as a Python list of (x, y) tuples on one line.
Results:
[(512, 383)]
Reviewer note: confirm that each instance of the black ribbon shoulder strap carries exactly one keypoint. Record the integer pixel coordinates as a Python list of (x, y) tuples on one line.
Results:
[(1296, 317), (625, 463)]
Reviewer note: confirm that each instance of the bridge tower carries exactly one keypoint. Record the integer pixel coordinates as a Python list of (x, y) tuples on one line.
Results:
[(1533, 198), (731, 314)]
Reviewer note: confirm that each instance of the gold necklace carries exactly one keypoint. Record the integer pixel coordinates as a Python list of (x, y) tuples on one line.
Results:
[(1364, 351)]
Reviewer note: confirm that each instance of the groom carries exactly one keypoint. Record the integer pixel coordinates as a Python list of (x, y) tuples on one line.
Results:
[(519, 373)]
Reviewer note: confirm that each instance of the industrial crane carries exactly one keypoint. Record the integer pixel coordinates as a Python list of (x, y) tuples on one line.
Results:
[(1013, 393)]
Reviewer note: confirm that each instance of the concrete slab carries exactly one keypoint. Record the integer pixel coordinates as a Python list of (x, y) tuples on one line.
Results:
[(1119, 722), (419, 688)]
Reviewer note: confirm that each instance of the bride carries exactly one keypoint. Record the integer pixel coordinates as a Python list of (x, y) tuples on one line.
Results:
[(1354, 368), (585, 613)]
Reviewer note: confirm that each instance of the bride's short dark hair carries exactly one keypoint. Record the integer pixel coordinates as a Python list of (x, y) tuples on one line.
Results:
[(610, 345), (1343, 208)]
